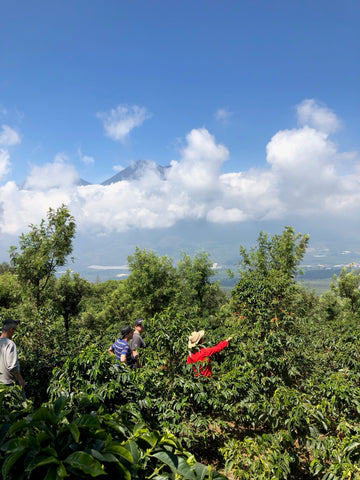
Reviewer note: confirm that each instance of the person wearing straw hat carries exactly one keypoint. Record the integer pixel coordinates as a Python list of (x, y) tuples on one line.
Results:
[(198, 353)]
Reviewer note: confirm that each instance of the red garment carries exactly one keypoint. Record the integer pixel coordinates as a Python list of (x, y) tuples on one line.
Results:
[(203, 355)]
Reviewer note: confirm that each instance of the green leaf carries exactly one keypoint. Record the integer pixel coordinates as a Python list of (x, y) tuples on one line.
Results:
[(120, 451), (41, 460), (177, 464), (61, 471), (169, 459), (56, 472), (132, 447), (86, 463), (17, 426), (43, 415), (352, 447), (185, 470), (51, 473), (163, 477), (152, 438), (11, 460), (202, 471), (75, 432), (104, 457), (58, 407), (4, 431), (87, 421)]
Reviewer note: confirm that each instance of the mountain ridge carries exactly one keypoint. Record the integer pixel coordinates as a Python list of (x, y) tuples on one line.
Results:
[(137, 170)]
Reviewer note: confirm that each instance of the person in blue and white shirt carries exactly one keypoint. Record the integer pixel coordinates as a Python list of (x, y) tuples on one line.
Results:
[(121, 348)]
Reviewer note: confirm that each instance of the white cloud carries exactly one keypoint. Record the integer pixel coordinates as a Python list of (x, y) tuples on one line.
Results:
[(122, 120), (199, 168), (9, 136), (85, 158), (254, 192), (21, 208), (4, 163), (118, 168), (230, 215), (58, 175), (303, 177), (318, 116), (223, 115), (304, 162)]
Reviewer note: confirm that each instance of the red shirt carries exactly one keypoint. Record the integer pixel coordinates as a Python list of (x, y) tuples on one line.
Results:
[(203, 355)]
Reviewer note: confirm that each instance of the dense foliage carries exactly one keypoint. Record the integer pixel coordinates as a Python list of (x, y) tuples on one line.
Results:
[(283, 403)]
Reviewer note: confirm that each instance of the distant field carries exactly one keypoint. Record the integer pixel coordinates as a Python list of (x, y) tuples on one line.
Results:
[(320, 285)]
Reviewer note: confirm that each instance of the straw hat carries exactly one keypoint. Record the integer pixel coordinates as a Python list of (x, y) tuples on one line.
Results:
[(195, 338)]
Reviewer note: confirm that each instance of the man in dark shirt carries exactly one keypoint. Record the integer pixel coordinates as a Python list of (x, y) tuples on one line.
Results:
[(121, 348), (137, 340)]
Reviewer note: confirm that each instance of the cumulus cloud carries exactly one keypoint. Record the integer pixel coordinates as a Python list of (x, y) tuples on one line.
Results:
[(302, 176), (119, 122), (312, 113), (9, 136), (255, 193), (21, 207), (57, 175), (306, 165), (199, 168)]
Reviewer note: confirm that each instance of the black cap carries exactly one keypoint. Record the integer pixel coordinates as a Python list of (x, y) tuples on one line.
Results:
[(125, 331), (138, 321), (8, 323)]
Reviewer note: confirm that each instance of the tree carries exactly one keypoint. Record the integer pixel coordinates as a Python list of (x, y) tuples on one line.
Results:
[(152, 282), (195, 288), (280, 253), (70, 289), (267, 273), (4, 267), (10, 292), (42, 250), (347, 286)]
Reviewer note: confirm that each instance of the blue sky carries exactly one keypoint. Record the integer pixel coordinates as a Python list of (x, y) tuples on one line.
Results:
[(248, 99)]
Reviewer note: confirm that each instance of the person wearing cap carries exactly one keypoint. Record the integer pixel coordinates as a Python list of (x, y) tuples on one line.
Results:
[(9, 363), (198, 353), (137, 340), (121, 348)]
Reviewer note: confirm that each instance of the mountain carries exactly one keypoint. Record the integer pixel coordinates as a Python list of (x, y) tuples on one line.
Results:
[(137, 170), (82, 183)]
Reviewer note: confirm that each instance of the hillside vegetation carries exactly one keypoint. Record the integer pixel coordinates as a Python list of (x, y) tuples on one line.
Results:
[(283, 403)]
